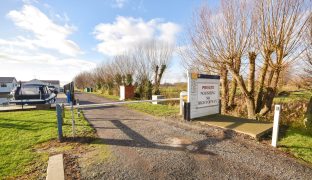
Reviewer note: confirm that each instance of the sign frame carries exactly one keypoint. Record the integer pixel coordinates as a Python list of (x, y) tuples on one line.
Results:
[(209, 93)]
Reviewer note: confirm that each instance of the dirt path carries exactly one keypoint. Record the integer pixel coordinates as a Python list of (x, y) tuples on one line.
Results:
[(145, 147)]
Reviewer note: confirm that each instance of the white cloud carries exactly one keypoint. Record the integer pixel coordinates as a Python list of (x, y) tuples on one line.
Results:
[(24, 66), (46, 53), (125, 32), (47, 34), (119, 3)]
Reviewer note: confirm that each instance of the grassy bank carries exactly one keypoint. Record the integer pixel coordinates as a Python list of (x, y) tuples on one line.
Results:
[(299, 143), (21, 131)]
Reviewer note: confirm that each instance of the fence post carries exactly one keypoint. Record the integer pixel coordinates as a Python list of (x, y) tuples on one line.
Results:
[(187, 111), (182, 94), (63, 110), (277, 110), (73, 119), (59, 122), (78, 110)]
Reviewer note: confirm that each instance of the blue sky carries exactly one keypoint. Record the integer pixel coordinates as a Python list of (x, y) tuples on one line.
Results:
[(57, 39)]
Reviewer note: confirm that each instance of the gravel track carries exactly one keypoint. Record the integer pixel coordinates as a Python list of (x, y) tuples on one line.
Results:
[(146, 147)]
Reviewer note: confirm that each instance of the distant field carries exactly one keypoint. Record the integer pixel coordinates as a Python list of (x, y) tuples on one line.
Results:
[(21, 131)]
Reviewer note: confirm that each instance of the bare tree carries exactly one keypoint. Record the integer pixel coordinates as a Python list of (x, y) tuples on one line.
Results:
[(83, 80), (282, 25), (307, 75), (265, 33), (152, 58), (200, 54)]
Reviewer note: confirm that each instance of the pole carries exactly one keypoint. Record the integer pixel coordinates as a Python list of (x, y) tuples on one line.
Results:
[(59, 122), (73, 119), (78, 110), (63, 110), (182, 94), (277, 110)]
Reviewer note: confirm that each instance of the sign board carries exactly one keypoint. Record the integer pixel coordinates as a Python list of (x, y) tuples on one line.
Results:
[(203, 94)]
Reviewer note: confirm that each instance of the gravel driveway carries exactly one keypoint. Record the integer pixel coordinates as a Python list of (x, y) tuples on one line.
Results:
[(146, 147)]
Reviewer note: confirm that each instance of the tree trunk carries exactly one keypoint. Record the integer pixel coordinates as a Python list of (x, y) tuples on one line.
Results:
[(250, 102), (156, 79), (224, 89), (268, 101), (232, 93), (276, 79), (157, 83), (262, 75), (248, 97), (237, 66), (251, 76), (270, 77)]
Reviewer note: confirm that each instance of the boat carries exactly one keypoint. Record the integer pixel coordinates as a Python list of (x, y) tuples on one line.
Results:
[(32, 94)]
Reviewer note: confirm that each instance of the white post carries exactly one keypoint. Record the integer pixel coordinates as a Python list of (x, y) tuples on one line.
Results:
[(182, 94), (122, 93), (277, 110)]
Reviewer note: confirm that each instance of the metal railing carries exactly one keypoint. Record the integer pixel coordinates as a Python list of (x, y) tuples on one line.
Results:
[(118, 103), (60, 109)]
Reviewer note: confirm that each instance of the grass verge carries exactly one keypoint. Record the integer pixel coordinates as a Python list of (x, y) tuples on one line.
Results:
[(112, 97), (299, 143), (21, 131), (161, 110), (156, 109)]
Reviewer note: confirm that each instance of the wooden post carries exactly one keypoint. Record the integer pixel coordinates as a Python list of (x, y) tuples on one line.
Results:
[(277, 110), (59, 122)]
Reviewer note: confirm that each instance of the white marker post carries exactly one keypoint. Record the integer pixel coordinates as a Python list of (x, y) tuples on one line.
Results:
[(277, 110), (182, 95)]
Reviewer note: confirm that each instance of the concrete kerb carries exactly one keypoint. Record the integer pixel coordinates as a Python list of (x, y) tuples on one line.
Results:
[(55, 169)]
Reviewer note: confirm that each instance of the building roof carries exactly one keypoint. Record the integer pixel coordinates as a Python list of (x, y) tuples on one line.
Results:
[(46, 82), (6, 79), (55, 82)]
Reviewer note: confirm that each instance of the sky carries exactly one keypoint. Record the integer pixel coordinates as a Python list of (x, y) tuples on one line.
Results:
[(57, 39)]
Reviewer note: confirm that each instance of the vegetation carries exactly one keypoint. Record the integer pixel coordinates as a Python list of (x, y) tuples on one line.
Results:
[(296, 96), (156, 109), (112, 97), (299, 143), (21, 131), (248, 37), (142, 66)]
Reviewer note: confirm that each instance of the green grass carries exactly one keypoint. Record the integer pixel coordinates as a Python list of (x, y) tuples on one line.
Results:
[(112, 97), (161, 110), (299, 143), (21, 131), (155, 109), (294, 97)]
